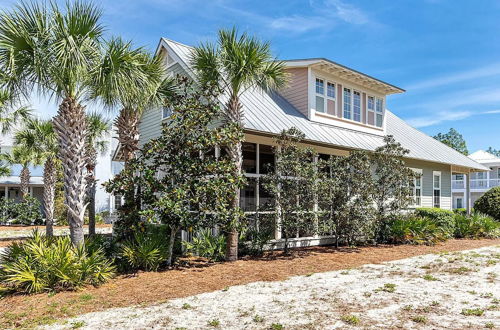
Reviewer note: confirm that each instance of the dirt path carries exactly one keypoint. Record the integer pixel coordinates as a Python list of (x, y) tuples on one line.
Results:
[(156, 287)]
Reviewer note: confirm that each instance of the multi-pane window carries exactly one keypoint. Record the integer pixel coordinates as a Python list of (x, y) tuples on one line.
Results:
[(347, 103), (379, 109), (437, 189), (357, 106), (371, 107), (320, 95), (416, 187), (330, 90)]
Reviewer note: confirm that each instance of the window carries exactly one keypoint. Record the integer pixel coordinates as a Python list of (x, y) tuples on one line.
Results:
[(416, 187), (249, 157), (166, 112), (379, 108), (330, 90), (371, 110), (347, 103), (357, 106), (460, 203), (320, 95), (437, 189)]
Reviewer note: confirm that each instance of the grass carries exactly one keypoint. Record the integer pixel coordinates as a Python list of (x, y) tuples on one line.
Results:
[(214, 323), (429, 277), (472, 312), (277, 326), (489, 325), (258, 319), (186, 306), (388, 287), (350, 319), (86, 297), (419, 319), (77, 324)]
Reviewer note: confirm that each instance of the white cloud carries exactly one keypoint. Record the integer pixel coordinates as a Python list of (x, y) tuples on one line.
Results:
[(439, 117), (347, 12)]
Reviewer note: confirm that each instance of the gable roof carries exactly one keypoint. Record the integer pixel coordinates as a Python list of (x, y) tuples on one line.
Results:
[(484, 157), (270, 113)]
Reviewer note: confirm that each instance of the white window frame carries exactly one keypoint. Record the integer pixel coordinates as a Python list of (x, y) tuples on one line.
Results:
[(382, 112), (419, 176), (351, 108), (368, 110), (354, 91), (434, 189), (325, 93)]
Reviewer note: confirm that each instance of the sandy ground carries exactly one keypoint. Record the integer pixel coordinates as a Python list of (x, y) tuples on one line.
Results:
[(447, 291)]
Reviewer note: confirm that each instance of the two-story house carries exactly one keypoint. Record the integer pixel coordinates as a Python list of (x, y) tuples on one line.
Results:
[(339, 110), (480, 182)]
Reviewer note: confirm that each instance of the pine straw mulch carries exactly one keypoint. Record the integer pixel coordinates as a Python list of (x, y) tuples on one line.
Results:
[(195, 276)]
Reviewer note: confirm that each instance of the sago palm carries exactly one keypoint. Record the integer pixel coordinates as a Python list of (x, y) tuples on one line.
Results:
[(98, 129), (56, 50), (25, 157), (129, 79), (237, 63), (39, 136)]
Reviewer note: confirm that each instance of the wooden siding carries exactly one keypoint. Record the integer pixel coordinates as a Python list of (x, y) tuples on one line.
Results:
[(296, 91), (427, 184), (150, 124)]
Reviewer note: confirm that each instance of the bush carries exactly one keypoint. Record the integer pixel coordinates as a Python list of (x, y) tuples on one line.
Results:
[(257, 233), (41, 263), (476, 226), (145, 251), (489, 203), (27, 212), (204, 244), (414, 230), (442, 218), (461, 211)]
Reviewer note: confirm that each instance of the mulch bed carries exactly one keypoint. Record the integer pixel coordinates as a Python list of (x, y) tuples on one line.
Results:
[(198, 277)]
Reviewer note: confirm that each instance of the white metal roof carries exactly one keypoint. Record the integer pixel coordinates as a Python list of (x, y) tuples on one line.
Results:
[(484, 157), (271, 113), (15, 180)]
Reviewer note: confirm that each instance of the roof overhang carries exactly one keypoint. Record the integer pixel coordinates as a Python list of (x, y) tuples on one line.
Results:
[(345, 73)]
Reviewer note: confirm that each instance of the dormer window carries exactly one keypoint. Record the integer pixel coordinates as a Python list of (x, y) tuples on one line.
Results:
[(320, 95), (330, 90), (379, 108), (375, 111), (357, 106), (347, 103)]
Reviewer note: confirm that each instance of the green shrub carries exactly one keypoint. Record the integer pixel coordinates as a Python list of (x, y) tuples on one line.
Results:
[(489, 203), (256, 234), (442, 218), (41, 263), (414, 230), (204, 244), (27, 212), (145, 251), (476, 226), (461, 211)]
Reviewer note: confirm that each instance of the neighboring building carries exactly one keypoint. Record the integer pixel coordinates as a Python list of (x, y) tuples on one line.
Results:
[(339, 110), (480, 182)]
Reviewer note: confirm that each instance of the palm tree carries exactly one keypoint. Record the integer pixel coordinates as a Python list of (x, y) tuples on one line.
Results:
[(98, 129), (24, 157), (237, 63), (57, 51), (10, 112), (39, 136), (130, 79)]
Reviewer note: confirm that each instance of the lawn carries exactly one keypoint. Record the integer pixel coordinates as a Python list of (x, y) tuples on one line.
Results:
[(196, 277)]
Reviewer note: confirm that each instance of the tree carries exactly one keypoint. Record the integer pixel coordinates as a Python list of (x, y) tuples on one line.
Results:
[(492, 151), (392, 180), (131, 79), (454, 140), (98, 130), (345, 201), (39, 137), (56, 51), (183, 184), (235, 64), (24, 157), (10, 112), (292, 184)]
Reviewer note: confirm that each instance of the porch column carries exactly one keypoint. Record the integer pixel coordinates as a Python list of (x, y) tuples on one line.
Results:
[(31, 191), (6, 193), (467, 192)]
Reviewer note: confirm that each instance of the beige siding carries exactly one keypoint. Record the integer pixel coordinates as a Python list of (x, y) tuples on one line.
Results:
[(427, 184), (297, 89), (150, 125)]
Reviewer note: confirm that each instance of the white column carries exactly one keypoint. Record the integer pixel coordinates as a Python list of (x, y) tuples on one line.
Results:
[(31, 191), (488, 179), (6, 192), (467, 193)]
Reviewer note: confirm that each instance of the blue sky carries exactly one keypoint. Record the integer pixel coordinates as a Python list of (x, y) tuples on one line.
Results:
[(445, 53)]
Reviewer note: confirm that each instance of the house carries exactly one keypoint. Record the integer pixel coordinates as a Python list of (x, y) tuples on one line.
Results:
[(480, 182), (339, 110)]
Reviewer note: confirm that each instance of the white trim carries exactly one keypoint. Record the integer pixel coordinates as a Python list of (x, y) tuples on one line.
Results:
[(434, 189), (325, 96)]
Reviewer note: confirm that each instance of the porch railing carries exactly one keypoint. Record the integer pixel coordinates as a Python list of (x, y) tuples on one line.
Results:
[(476, 183)]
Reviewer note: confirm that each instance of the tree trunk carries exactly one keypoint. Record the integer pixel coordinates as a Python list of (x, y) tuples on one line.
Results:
[(70, 125), (49, 191), (171, 241), (91, 156), (235, 115), (127, 128), (25, 177), (91, 207)]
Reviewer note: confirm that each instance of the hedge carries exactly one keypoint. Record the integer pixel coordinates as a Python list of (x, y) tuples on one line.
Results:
[(489, 203), (442, 218)]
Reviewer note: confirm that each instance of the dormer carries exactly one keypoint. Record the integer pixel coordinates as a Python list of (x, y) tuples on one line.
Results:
[(330, 93)]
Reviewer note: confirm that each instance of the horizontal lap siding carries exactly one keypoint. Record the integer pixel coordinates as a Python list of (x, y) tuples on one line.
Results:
[(150, 124), (427, 183), (297, 89)]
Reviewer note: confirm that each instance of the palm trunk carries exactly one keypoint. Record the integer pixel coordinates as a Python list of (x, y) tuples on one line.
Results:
[(91, 155), (127, 125), (91, 207), (25, 177), (49, 191), (70, 125), (235, 115)]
